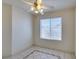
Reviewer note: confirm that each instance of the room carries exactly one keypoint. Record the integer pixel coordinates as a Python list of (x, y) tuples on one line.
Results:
[(38, 29)]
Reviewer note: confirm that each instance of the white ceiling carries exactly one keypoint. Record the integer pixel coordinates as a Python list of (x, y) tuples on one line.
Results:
[(57, 4)]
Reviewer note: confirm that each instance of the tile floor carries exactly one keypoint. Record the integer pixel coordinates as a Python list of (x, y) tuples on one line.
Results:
[(42, 53)]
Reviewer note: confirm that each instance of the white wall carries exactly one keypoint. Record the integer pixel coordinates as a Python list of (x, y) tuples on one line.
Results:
[(21, 30), (6, 30), (68, 34)]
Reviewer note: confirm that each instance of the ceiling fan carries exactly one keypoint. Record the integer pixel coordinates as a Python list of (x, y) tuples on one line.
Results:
[(37, 6)]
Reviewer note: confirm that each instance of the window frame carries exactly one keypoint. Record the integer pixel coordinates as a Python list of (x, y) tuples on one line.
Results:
[(61, 28)]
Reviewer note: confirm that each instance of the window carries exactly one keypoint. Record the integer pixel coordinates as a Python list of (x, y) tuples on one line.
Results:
[(51, 28)]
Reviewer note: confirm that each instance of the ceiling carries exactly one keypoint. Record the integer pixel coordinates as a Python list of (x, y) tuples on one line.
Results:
[(56, 4)]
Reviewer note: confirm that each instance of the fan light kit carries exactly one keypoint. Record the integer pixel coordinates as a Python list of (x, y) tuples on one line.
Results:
[(37, 6)]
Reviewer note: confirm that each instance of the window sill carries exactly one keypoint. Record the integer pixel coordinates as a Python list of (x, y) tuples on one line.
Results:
[(51, 39)]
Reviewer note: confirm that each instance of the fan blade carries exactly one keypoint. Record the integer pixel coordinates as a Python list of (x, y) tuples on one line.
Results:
[(47, 7), (29, 3), (39, 1), (44, 7)]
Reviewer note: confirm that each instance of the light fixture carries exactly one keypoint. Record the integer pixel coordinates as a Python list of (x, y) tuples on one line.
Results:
[(36, 12), (37, 7)]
